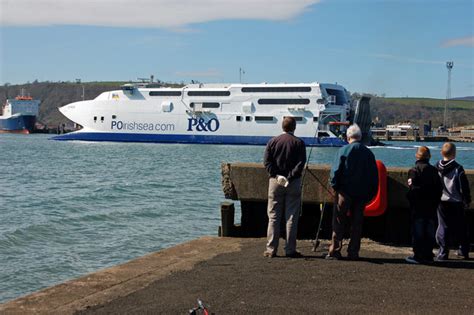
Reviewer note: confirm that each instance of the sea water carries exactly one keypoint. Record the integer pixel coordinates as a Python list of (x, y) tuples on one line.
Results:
[(70, 208)]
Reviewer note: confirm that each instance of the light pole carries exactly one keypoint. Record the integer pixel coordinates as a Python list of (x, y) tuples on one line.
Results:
[(449, 66), (241, 73)]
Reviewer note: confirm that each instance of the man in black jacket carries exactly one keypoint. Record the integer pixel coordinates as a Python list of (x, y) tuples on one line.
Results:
[(424, 196), (285, 158)]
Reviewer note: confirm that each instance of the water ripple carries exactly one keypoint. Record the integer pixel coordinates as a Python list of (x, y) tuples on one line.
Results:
[(69, 208)]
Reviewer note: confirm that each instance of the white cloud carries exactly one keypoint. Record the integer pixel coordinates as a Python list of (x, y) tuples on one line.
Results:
[(174, 14), (464, 41), (417, 60), (406, 59), (403, 59)]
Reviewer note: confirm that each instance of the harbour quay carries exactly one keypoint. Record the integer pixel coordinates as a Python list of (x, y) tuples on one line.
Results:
[(248, 184), (230, 275), (410, 132)]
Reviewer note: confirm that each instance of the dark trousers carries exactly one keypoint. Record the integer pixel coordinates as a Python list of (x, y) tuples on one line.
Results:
[(452, 229), (423, 237), (342, 206)]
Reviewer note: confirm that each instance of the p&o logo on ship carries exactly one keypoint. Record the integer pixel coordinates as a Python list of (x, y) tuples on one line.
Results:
[(201, 125)]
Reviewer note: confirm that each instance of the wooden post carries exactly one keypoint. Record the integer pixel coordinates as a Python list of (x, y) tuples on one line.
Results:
[(227, 218)]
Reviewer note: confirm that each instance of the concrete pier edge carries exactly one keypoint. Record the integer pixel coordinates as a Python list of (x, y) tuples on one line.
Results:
[(247, 183), (108, 284)]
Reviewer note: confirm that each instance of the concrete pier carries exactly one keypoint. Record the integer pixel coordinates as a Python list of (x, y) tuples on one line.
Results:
[(112, 283), (232, 277), (248, 183)]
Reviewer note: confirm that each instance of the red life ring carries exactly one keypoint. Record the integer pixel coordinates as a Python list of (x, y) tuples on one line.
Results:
[(379, 204)]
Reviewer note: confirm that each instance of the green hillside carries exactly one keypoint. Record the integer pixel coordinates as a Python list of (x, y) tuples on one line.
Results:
[(430, 102), (422, 110)]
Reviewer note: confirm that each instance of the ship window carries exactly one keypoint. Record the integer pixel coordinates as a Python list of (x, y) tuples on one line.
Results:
[(102, 119), (286, 89), (208, 93), (296, 118), (95, 118), (113, 116), (323, 134), (238, 118), (283, 101), (339, 94), (165, 93), (248, 118), (263, 118), (127, 87), (315, 119), (207, 105), (211, 105)]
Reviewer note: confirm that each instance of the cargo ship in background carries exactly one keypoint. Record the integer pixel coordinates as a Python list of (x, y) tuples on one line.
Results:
[(19, 114), (212, 113)]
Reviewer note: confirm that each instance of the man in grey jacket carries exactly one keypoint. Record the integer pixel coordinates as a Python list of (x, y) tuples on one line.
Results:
[(285, 158), (455, 199)]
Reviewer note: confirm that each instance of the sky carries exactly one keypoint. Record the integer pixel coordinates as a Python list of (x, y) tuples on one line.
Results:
[(395, 48)]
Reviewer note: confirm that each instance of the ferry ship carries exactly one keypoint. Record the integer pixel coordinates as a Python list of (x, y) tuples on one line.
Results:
[(212, 113), (19, 115)]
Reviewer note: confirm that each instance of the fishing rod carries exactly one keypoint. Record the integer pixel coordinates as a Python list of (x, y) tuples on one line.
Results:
[(305, 169), (316, 242)]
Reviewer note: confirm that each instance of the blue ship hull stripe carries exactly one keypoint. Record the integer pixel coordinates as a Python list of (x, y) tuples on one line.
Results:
[(18, 123), (201, 139)]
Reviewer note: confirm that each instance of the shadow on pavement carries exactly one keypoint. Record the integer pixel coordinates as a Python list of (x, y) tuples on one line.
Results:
[(450, 264)]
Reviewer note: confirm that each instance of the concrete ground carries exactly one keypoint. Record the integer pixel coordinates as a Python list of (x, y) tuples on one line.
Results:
[(232, 277), (244, 282)]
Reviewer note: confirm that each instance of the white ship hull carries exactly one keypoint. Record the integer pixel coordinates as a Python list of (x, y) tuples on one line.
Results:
[(213, 114)]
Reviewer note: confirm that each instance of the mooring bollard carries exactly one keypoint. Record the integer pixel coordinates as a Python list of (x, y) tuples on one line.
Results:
[(227, 218)]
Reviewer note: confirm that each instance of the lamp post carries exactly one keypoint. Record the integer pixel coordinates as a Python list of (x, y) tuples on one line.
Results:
[(449, 66), (241, 73)]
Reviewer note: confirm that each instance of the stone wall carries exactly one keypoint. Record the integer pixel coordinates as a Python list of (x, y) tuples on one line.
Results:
[(248, 183)]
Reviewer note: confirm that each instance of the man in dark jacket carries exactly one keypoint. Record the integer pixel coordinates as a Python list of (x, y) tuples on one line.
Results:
[(285, 158), (354, 178), (424, 196), (455, 198)]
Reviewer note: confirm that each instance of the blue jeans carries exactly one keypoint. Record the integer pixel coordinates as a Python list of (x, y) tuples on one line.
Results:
[(423, 237)]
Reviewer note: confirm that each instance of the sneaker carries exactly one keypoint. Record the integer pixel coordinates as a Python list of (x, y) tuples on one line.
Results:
[(268, 254), (333, 256), (441, 258), (459, 254), (294, 255), (412, 260)]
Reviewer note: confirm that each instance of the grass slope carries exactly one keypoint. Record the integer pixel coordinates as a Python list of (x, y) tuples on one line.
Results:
[(430, 102)]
